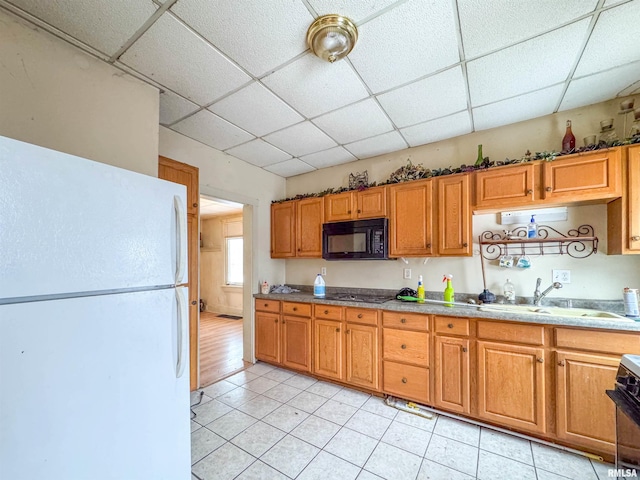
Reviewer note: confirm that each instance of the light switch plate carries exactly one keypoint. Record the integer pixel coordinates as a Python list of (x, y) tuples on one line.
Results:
[(323, 271), (562, 276)]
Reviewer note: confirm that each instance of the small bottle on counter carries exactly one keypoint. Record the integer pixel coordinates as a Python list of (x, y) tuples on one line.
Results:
[(509, 291), (420, 293), (319, 287)]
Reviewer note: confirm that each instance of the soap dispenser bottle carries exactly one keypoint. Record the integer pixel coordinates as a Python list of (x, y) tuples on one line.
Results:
[(532, 228), (420, 293), (509, 291), (448, 291)]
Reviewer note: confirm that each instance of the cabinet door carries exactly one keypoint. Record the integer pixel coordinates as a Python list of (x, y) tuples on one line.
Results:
[(591, 176), (511, 385), (328, 349), (411, 219), (296, 343), (183, 174), (372, 203), (268, 337), (454, 216), (339, 207), (362, 356), (283, 230), (633, 199), (504, 187), (585, 415), (309, 216), (452, 374)]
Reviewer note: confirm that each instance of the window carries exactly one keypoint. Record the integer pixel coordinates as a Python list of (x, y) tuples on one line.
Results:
[(234, 261)]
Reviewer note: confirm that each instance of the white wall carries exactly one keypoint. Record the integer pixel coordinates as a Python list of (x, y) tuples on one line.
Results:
[(596, 277), (54, 95)]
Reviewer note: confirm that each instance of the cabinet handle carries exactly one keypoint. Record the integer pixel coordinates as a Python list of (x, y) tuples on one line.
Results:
[(404, 346), (358, 210), (348, 211), (548, 189), (359, 315), (266, 304), (428, 245), (635, 238), (561, 363), (348, 331), (338, 330), (464, 349), (276, 320), (298, 249), (283, 322), (529, 192), (194, 303), (540, 360), (465, 245), (403, 320), (450, 325), (195, 205), (295, 309), (326, 312), (404, 380)]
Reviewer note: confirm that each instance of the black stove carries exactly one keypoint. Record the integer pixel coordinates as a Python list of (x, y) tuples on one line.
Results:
[(344, 297)]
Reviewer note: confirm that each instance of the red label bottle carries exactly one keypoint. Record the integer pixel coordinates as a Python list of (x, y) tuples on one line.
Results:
[(568, 141)]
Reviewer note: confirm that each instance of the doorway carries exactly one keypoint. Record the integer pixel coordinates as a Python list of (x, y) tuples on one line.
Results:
[(221, 289)]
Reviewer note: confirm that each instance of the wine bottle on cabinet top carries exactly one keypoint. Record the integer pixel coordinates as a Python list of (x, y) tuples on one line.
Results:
[(568, 141)]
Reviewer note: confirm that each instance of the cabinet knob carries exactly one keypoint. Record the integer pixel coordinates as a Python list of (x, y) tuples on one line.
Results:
[(295, 309), (276, 320), (348, 211), (540, 360), (194, 303), (548, 189), (529, 192), (298, 249), (450, 325), (266, 304), (464, 349), (635, 238), (347, 331), (403, 320), (428, 245), (465, 245), (326, 312), (338, 330), (283, 322), (359, 315), (561, 363), (195, 205), (404, 380), (358, 210), (404, 346)]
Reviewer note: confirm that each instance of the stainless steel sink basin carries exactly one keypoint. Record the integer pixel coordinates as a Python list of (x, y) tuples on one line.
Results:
[(554, 311)]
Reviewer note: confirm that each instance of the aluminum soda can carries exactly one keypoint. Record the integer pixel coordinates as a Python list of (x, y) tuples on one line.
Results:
[(630, 296)]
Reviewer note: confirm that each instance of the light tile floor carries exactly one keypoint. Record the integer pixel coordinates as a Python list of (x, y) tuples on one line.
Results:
[(267, 423)]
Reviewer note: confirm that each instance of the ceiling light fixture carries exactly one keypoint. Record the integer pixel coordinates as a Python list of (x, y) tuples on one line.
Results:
[(332, 37)]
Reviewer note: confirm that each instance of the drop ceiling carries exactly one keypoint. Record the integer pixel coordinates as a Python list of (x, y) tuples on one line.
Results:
[(237, 75)]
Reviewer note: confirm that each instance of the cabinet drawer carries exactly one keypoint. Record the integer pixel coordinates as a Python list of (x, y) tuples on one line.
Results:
[(299, 309), (404, 346), (413, 321), (330, 312), (367, 316), (406, 381), (452, 326), (267, 305), (507, 332), (595, 341)]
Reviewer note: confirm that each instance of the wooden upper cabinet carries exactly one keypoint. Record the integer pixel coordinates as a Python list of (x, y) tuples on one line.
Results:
[(590, 176), (505, 186), (410, 228), (372, 203), (623, 214), (454, 216), (577, 399), (339, 207), (633, 199), (283, 230), (309, 218), (185, 175)]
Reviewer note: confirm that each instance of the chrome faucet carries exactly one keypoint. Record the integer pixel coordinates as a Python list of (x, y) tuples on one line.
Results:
[(537, 296)]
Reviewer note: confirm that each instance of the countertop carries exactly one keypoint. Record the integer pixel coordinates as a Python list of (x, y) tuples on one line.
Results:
[(463, 310)]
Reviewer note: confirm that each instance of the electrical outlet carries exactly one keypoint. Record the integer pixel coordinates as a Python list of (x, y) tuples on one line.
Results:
[(323, 271), (407, 274), (562, 276)]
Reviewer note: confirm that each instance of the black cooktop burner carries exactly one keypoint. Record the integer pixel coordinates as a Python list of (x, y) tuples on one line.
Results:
[(359, 298)]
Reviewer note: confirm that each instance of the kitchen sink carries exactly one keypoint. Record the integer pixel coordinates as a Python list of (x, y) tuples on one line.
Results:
[(555, 311)]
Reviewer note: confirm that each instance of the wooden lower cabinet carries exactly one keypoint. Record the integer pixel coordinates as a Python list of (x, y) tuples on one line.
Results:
[(511, 385), (296, 343), (585, 414), (452, 375), (362, 356), (268, 337), (406, 381), (328, 348)]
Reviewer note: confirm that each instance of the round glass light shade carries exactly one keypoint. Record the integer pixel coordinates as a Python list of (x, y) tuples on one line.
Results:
[(332, 37)]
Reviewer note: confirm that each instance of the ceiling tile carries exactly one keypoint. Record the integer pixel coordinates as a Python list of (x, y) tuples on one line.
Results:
[(301, 139), (212, 130), (259, 153), (105, 25), (600, 87), (257, 110), (527, 66), (313, 86), (608, 3), (173, 107), (328, 158), (488, 26), (632, 89), (371, 147), (612, 28), (290, 168), (355, 122), (517, 109), (257, 35), (406, 43), (356, 11), (433, 97), (174, 56), (440, 129)]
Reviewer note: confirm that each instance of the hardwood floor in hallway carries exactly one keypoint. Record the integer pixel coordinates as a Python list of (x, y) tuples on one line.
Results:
[(220, 348)]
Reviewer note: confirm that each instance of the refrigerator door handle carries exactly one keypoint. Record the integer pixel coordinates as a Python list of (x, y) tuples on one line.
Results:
[(183, 334), (181, 241)]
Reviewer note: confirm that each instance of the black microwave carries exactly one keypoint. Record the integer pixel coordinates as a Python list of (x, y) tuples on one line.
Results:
[(356, 240)]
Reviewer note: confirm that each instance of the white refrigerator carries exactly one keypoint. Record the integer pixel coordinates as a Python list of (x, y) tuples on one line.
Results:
[(94, 373)]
